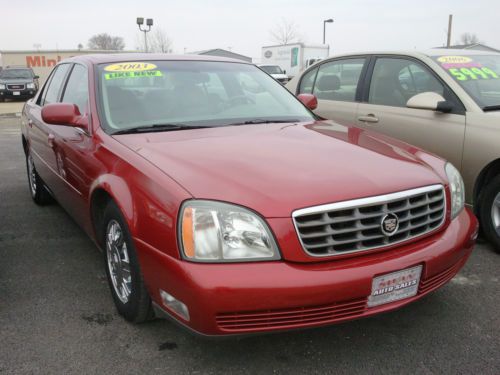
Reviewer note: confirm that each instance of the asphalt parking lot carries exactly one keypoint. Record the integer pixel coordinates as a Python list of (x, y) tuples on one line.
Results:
[(57, 315)]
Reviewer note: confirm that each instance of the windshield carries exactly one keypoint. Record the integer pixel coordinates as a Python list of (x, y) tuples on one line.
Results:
[(272, 69), (16, 73), (478, 75), (192, 93)]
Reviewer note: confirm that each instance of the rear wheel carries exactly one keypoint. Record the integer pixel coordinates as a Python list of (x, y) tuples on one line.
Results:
[(37, 187), (490, 212), (122, 268)]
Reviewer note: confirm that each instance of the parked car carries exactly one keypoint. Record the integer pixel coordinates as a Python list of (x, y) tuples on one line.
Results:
[(445, 101), (275, 72), (235, 211), (17, 83)]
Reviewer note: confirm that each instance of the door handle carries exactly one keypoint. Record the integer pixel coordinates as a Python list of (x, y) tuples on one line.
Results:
[(368, 118), (30, 123), (50, 140)]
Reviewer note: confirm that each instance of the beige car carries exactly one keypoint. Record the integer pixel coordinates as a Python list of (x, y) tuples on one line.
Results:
[(445, 101)]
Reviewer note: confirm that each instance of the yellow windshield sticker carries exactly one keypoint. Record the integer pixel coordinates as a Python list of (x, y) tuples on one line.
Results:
[(454, 59), (115, 75), (133, 66)]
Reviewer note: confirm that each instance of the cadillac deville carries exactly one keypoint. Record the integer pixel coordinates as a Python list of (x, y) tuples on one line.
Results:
[(221, 201)]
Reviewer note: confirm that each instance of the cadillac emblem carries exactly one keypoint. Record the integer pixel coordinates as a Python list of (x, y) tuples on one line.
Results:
[(389, 224)]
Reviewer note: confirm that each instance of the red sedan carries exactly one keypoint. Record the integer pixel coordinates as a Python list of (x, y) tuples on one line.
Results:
[(221, 201)]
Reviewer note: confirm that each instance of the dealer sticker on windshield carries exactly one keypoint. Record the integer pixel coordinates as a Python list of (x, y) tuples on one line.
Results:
[(133, 66), (395, 286)]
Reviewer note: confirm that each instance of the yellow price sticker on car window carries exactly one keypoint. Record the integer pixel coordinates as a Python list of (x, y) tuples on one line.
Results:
[(454, 59), (117, 75), (133, 66)]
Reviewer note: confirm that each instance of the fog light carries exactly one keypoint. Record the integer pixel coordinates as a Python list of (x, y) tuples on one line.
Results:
[(175, 305)]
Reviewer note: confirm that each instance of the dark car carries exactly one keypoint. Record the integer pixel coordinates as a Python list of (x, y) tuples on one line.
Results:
[(17, 83), (236, 211)]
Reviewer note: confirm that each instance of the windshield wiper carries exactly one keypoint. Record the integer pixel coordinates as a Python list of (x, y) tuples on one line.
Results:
[(491, 108), (262, 121), (157, 128)]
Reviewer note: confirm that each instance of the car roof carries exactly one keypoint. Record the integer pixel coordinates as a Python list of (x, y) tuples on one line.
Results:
[(120, 57), (420, 53), (16, 67)]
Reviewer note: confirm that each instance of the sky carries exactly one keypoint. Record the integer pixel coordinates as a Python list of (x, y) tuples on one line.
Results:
[(243, 26)]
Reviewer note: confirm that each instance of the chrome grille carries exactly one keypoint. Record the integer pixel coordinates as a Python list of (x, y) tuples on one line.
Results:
[(16, 87), (356, 225)]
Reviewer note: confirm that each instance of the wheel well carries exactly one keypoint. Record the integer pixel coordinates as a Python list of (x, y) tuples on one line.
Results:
[(487, 174), (99, 201), (25, 145)]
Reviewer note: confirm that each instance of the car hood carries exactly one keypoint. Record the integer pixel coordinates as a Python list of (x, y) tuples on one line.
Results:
[(13, 81), (278, 168)]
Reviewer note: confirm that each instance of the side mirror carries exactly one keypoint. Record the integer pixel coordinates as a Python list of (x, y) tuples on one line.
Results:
[(431, 101), (309, 100), (284, 71), (64, 114), (36, 77)]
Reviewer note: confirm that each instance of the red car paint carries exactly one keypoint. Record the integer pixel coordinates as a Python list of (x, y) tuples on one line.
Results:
[(272, 169)]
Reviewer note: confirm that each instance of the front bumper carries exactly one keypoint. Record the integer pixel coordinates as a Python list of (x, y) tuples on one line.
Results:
[(242, 298), (23, 94)]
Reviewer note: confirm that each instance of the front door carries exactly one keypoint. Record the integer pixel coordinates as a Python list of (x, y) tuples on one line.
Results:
[(395, 80)]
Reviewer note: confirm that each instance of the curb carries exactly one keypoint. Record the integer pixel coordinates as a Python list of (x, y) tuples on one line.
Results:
[(6, 115)]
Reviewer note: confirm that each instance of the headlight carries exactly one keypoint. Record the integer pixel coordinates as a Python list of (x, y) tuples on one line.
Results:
[(219, 232), (457, 189), (30, 85), (2, 86)]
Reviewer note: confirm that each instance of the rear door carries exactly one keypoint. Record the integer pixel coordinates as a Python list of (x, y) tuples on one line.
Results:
[(335, 84), (391, 81), (41, 134)]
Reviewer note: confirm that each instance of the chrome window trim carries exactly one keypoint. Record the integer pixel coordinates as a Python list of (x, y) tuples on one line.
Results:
[(362, 202)]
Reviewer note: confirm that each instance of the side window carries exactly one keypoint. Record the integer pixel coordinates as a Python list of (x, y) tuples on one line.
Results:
[(77, 91), (307, 82), (394, 81), (338, 80), (54, 88)]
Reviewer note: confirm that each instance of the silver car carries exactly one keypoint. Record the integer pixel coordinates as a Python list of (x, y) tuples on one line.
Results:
[(445, 101)]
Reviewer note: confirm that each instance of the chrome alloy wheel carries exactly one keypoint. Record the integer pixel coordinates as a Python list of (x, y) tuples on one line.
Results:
[(118, 261), (32, 175), (495, 213)]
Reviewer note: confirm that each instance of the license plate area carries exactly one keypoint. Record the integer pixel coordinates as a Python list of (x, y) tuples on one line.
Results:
[(395, 286), (17, 93)]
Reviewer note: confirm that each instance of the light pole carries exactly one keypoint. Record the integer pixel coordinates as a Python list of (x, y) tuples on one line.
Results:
[(330, 20), (149, 23)]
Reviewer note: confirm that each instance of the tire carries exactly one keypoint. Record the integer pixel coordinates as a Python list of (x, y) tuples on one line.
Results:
[(122, 268), (37, 187), (489, 212)]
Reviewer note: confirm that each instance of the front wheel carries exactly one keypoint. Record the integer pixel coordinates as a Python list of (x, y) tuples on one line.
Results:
[(490, 212), (122, 268)]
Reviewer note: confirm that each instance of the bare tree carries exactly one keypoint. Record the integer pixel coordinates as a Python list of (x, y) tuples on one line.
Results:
[(468, 38), (160, 42), (285, 32), (105, 41)]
